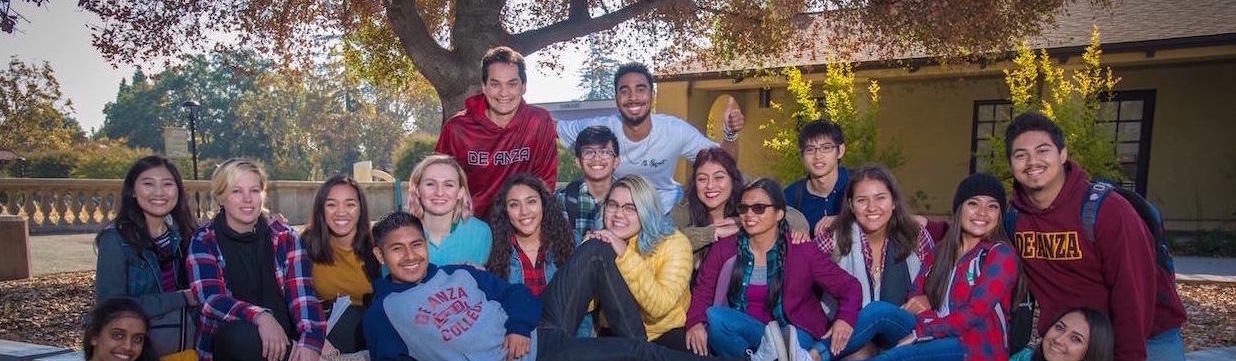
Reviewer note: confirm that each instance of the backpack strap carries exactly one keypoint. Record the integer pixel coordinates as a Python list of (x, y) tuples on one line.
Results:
[(1010, 222), (1095, 195), (572, 201), (798, 200)]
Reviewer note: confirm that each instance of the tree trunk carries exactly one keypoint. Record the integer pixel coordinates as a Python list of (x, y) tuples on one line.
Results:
[(452, 99)]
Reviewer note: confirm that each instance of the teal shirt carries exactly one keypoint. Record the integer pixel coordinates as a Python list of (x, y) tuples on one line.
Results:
[(1026, 354), (468, 243)]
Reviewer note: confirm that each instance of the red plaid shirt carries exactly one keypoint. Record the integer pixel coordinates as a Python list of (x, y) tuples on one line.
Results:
[(534, 276), (978, 302), (292, 267)]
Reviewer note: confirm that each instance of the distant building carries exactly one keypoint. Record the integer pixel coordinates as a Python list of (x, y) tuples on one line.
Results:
[(1171, 113), (9, 158), (579, 109)]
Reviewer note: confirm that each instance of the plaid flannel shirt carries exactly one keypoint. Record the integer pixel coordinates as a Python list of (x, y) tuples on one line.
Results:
[(587, 211), (292, 270), (980, 296)]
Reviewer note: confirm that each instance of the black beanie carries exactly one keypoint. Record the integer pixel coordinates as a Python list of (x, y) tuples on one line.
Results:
[(979, 184)]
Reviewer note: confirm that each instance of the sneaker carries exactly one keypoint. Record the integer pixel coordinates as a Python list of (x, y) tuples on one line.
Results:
[(772, 346), (796, 350)]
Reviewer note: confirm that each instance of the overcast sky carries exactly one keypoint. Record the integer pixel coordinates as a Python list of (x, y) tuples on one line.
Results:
[(57, 33)]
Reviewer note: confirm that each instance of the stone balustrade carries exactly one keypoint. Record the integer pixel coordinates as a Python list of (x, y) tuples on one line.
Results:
[(86, 205)]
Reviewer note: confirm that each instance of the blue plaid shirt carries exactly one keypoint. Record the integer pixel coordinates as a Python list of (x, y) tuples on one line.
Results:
[(588, 208)]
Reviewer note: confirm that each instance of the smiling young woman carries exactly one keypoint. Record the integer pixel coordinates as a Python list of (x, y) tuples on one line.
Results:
[(439, 197), (142, 253), (771, 283), (261, 298), (531, 238), (117, 330), (339, 242)]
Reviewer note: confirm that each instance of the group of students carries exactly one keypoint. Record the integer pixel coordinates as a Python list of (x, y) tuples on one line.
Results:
[(489, 262)]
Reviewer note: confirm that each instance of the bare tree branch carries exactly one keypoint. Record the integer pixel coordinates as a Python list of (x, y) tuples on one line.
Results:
[(573, 27), (578, 10)]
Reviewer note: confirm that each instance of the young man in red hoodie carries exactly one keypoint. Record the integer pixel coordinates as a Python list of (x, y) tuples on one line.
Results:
[(1115, 273), (497, 134)]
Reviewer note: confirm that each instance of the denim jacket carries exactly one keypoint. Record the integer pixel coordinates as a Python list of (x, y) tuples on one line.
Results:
[(125, 271), (516, 276)]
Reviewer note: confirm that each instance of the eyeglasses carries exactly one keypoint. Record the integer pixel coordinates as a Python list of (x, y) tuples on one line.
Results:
[(628, 209), (758, 208), (590, 154), (823, 148)]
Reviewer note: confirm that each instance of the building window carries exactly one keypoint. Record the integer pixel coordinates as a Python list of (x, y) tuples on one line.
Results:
[(990, 118), (1127, 116)]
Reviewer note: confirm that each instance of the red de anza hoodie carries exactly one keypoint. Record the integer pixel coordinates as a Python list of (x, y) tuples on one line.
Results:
[(489, 153), (1115, 273)]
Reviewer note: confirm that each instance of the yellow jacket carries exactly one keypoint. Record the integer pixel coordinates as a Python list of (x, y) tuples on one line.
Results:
[(659, 281)]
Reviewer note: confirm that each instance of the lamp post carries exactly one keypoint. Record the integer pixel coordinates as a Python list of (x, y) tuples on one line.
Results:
[(193, 108)]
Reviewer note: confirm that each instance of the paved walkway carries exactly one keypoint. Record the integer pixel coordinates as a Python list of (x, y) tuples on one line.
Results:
[(1213, 354), (1201, 269), (61, 253)]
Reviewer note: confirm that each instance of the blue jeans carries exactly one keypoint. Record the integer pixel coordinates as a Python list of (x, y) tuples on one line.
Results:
[(940, 349), (732, 332), (1166, 346), (878, 320)]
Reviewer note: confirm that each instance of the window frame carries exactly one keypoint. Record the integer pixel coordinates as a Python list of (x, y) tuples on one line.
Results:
[(1146, 96)]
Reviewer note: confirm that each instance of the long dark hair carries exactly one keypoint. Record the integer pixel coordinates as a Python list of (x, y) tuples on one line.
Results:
[(555, 230), (316, 236), (699, 212), (1102, 336), (109, 310), (901, 229), (775, 281), (131, 219), (946, 254)]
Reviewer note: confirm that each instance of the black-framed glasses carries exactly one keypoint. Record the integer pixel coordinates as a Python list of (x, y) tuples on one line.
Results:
[(826, 148), (758, 208), (590, 154), (629, 209)]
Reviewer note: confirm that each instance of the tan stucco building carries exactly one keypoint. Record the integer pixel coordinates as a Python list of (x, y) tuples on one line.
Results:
[(1174, 107)]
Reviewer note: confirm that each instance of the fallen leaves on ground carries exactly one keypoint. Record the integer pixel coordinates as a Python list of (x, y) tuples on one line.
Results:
[(48, 310), (1212, 317)]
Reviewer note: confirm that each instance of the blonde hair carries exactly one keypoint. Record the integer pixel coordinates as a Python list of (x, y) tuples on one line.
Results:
[(462, 205), (227, 174)]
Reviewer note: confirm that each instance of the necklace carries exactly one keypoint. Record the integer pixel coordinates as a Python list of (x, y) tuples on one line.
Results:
[(874, 268)]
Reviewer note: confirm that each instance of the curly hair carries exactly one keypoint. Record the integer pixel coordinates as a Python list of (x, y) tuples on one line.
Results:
[(555, 230)]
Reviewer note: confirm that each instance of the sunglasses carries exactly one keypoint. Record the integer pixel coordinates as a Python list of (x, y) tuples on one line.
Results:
[(757, 208)]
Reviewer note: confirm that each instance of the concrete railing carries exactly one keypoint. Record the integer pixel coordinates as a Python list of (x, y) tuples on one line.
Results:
[(86, 205)]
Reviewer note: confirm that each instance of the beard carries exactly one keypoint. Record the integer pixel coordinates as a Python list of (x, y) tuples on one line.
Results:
[(634, 121)]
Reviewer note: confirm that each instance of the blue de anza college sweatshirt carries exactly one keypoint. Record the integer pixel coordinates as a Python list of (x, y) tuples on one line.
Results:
[(455, 313)]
